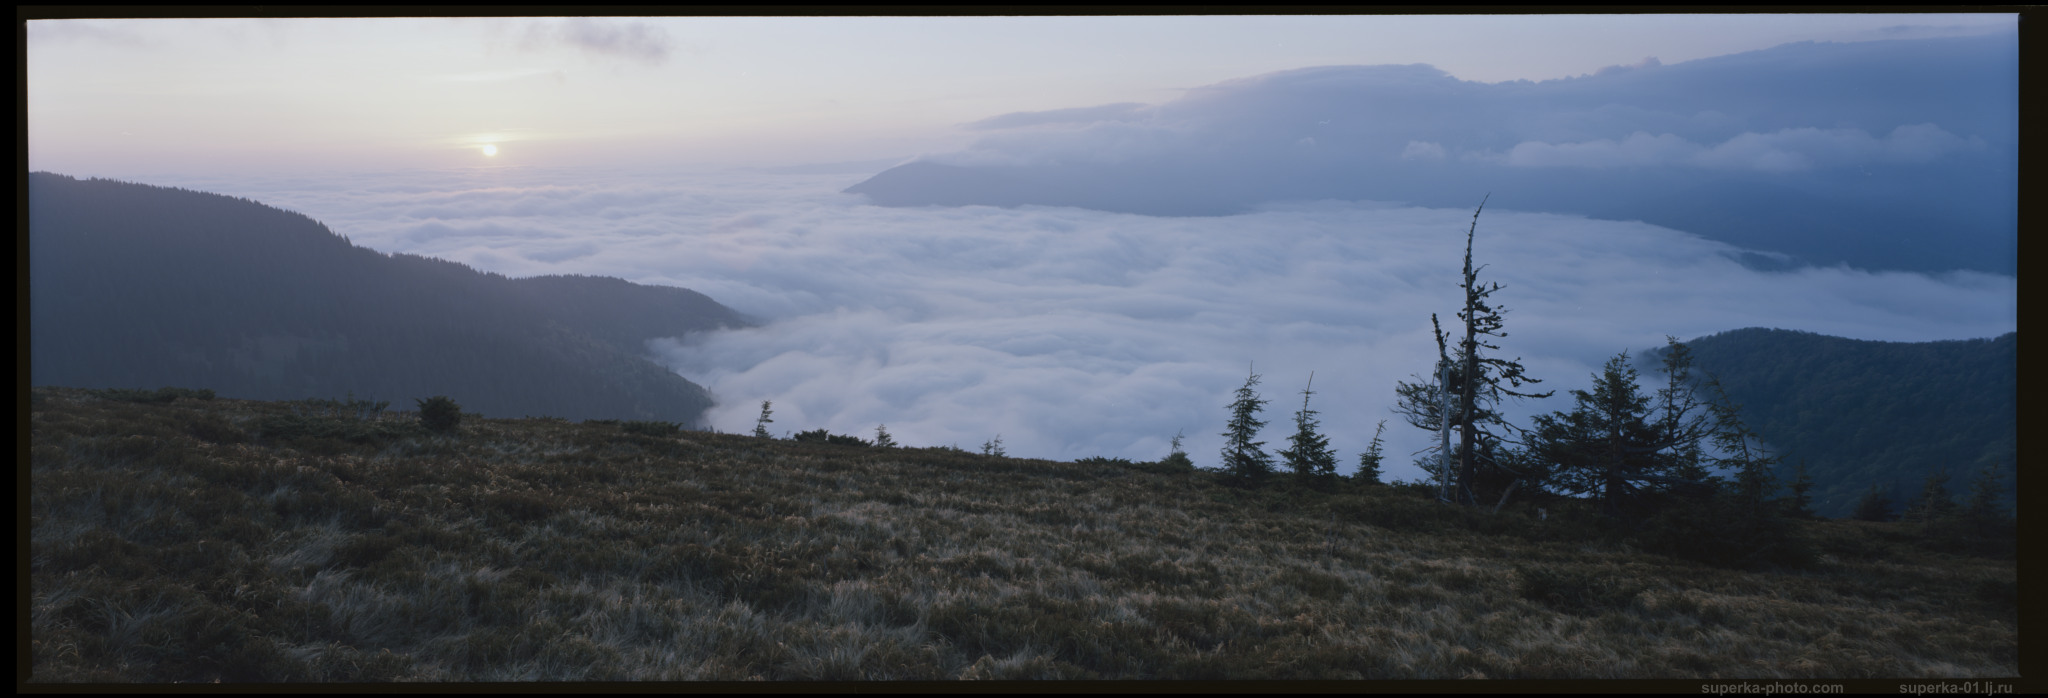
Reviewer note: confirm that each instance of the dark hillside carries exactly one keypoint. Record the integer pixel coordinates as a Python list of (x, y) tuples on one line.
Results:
[(1861, 412), (140, 286), (237, 541)]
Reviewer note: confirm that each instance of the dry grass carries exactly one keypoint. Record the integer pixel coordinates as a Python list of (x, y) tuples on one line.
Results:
[(239, 541)]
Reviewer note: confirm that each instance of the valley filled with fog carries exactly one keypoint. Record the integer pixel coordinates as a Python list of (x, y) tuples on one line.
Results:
[(1073, 333)]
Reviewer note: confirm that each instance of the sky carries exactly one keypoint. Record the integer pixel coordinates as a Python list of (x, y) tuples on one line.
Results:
[(714, 154), (274, 95)]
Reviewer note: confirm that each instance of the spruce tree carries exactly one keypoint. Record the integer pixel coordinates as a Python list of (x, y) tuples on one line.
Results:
[(1309, 455), (882, 438), (761, 424), (1874, 506), (440, 413), (1466, 386), (1243, 458), (1800, 506), (1934, 503), (1982, 513), (1177, 459), (1369, 461), (1613, 444)]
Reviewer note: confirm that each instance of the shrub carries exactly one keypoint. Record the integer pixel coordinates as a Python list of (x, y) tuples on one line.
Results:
[(155, 397), (439, 413), (324, 434), (652, 428), (1718, 530), (823, 437), (1177, 462)]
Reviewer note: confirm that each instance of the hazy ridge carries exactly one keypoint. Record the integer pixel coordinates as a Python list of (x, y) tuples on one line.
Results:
[(140, 286)]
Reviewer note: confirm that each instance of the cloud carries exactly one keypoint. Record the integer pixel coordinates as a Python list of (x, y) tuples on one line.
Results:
[(1831, 146), (1073, 332), (1789, 150), (634, 41), (1122, 111), (503, 75), (1647, 62), (1638, 150), (1422, 150), (85, 31)]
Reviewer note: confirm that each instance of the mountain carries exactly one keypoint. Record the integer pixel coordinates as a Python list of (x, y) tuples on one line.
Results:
[(141, 286), (1881, 154), (1860, 412)]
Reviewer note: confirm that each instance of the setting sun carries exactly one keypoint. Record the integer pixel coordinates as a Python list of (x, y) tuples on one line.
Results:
[(490, 150)]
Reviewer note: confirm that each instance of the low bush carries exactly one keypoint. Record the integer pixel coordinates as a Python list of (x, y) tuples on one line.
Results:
[(440, 413), (160, 396), (823, 437), (652, 428)]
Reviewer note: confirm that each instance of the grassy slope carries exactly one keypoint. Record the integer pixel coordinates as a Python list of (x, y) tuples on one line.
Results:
[(225, 540)]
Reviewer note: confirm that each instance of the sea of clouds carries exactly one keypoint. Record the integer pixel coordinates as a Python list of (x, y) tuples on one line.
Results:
[(1071, 332)]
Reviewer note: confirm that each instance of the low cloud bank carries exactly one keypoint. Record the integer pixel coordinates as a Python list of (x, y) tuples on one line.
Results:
[(1072, 332), (1879, 154)]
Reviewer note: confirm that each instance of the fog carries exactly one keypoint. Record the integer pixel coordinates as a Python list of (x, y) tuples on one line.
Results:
[(1072, 332)]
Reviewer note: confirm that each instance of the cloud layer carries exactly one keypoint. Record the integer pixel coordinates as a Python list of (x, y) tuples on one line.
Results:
[(1071, 332), (635, 41), (1882, 154)]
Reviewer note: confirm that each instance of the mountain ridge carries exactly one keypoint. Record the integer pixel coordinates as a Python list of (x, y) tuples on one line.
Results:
[(135, 285), (1863, 412)]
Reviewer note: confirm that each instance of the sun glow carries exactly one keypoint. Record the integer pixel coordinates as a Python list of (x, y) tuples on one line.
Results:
[(490, 150)]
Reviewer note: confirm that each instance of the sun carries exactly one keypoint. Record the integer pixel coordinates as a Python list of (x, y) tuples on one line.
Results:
[(490, 150)]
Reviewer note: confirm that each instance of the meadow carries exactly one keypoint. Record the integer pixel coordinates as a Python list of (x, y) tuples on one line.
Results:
[(199, 540)]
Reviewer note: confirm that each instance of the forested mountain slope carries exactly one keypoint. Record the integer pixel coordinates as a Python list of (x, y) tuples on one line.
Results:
[(1860, 412), (141, 286)]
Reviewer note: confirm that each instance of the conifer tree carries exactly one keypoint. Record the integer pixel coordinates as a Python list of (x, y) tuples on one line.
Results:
[(1245, 459), (1801, 504), (1467, 384), (993, 447), (1613, 445), (1369, 461), (1309, 456), (1934, 503), (1874, 506), (440, 413), (1177, 459), (1738, 446), (1982, 512), (882, 438), (761, 424)]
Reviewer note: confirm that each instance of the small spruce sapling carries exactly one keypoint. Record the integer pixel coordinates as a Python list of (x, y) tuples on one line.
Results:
[(761, 424), (1244, 459), (1369, 461), (1178, 459), (1800, 506), (440, 413), (1875, 506), (1309, 456)]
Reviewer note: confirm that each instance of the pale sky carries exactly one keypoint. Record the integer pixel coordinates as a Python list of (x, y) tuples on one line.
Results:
[(157, 96)]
